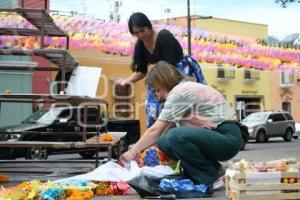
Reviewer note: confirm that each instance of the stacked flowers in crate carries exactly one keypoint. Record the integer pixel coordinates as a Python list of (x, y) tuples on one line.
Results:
[(276, 179)]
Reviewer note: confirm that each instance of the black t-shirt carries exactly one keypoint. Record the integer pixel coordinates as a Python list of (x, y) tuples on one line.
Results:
[(167, 48)]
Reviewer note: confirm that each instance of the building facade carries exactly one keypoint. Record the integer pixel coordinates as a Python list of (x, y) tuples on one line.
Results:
[(247, 90), (221, 25)]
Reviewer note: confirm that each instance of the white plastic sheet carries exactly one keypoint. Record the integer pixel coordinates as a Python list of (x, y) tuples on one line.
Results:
[(112, 171), (158, 171)]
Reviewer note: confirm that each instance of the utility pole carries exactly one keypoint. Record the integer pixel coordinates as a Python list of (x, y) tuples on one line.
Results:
[(115, 11), (189, 26), (167, 12)]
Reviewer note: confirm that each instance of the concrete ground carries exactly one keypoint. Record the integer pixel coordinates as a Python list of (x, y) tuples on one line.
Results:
[(22, 170), (56, 167)]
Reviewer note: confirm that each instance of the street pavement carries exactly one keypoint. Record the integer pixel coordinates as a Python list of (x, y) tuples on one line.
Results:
[(274, 149)]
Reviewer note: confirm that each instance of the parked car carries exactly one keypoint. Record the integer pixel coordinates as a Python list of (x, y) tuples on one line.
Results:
[(60, 124), (264, 125), (297, 131)]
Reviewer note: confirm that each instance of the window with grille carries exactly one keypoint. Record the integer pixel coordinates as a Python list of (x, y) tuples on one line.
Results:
[(227, 73), (286, 78), (221, 72), (251, 75)]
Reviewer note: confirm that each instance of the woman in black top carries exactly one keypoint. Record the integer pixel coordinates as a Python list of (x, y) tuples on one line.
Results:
[(153, 46)]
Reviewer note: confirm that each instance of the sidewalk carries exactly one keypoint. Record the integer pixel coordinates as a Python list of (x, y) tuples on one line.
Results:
[(256, 152)]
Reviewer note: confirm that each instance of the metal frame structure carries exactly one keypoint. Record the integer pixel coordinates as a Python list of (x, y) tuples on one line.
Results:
[(39, 18), (60, 57), (45, 26), (64, 62)]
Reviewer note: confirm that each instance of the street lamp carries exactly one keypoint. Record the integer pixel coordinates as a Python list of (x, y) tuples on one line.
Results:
[(189, 26)]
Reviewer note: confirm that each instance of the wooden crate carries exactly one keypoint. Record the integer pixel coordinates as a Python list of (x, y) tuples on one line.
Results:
[(237, 187)]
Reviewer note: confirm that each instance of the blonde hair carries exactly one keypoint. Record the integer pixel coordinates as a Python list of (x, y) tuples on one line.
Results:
[(163, 75)]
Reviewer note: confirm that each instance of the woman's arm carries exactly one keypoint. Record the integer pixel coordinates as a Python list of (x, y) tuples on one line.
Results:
[(136, 76), (149, 138)]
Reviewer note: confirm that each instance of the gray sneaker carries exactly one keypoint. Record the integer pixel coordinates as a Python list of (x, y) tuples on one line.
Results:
[(219, 183)]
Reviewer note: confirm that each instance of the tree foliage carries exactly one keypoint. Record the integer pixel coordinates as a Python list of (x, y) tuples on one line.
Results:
[(284, 3)]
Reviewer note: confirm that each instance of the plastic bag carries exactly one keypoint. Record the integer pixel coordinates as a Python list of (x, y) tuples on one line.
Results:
[(146, 186), (150, 187), (110, 171)]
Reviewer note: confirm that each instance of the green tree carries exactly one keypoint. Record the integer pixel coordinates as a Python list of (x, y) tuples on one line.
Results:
[(284, 3)]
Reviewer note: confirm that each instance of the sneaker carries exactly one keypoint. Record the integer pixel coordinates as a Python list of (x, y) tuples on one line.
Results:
[(220, 182), (221, 171)]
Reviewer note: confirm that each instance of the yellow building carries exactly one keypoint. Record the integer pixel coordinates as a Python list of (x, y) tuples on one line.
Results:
[(250, 90), (221, 25), (247, 90), (241, 87)]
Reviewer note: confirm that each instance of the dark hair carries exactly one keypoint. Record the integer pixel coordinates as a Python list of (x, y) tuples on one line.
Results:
[(140, 20), (139, 64)]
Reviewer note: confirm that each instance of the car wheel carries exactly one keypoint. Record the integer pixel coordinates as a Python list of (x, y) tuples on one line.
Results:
[(261, 136), (295, 136), (288, 135), (87, 154), (38, 153)]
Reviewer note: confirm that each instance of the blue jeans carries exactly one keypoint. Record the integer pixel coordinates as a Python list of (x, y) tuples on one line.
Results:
[(187, 66)]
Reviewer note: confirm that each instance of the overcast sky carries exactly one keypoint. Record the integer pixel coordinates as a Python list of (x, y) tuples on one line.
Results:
[(281, 21)]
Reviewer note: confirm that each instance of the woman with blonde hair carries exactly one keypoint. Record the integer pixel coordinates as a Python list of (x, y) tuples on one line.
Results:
[(207, 129)]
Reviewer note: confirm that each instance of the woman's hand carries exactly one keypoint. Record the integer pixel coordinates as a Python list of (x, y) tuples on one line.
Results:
[(136, 76), (149, 138), (121, 82), (127, 157)]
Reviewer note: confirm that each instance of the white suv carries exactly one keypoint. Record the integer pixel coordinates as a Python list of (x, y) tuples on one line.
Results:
[(263, 125)]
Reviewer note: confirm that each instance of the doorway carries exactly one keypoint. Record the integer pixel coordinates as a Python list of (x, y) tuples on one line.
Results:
[(245, 105)]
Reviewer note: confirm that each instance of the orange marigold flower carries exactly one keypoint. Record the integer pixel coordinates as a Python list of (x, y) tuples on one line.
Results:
[(106, 137)]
